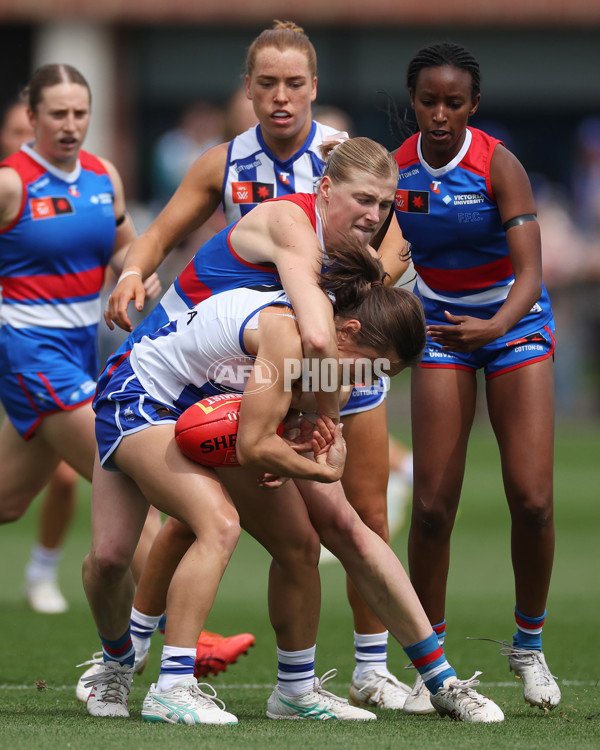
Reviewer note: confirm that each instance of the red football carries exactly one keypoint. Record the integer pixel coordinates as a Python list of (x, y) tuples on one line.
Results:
[(207, 431)]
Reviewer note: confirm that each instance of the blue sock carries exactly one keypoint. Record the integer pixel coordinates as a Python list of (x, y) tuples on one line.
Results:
[(440, 631), (529, 631), (121, 650), (162, 623), (429, 658)]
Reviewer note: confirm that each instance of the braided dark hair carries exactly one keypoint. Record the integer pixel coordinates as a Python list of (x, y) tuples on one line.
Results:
[(444, 53), (390, 317)]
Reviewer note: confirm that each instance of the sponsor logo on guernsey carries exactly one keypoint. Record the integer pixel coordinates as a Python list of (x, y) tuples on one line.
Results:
[(411, 173), (252, 192), (468, 199), (103, 199), (73, 191), (284, 178), (412, 201), (250, 165), (435, 186), (46, 208), (39, 185)]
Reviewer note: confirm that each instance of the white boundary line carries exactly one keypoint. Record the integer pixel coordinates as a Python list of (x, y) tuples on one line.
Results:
[(250, 686)]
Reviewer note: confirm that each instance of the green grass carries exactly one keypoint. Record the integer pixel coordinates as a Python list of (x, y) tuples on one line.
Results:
[(480, 603)]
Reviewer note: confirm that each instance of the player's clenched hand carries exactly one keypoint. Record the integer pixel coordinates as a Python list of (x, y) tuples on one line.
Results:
[(329, 446)]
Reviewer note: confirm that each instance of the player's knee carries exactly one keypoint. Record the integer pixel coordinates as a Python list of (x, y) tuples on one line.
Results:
[(432, 518), (534, 510), (12, 508), (345, 532), (108, 564), (377, 521), (303, 549), (223, 531)]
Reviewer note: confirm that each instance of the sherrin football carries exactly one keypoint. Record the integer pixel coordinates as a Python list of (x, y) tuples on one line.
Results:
[(206, 432)]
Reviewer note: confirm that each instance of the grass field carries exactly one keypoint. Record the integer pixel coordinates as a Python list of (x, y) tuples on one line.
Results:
[(480, 603)]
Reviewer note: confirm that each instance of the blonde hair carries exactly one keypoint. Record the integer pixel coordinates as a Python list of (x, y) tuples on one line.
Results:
[(282, 35), (343, 159)]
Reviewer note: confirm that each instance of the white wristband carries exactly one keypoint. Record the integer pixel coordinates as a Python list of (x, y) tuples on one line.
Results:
[(125, 274)]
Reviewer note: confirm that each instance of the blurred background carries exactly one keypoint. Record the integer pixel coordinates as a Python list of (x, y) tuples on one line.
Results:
[(165, 78)]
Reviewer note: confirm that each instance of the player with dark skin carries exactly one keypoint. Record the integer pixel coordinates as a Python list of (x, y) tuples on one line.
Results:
[(443, 82)]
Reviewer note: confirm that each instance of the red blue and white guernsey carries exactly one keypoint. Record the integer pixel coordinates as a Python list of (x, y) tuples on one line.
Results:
[(254, 174), (216, 267), (458, 246), (53, 259), (451, 220)]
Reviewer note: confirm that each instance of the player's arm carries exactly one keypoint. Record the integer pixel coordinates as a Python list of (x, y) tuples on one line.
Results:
[(514, 195), (280, 232), (394, 253), (194, 201), (263, 409), (11, 195), (124, 236)]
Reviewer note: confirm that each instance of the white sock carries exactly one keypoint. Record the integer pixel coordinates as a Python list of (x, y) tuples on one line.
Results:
[(370, 652), (175, 665), (43, 564), (296, 671), (142, 627)]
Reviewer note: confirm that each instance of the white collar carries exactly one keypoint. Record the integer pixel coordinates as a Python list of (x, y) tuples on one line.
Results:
[(451, 164), (64, 176)]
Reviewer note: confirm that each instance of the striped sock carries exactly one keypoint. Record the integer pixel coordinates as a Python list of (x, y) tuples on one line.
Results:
[(296, 671), (162, 623), (529, 631), (175, 664), (120, 650), (440, 631), (429, 658), (370, 652), (142, 627), (43, 564)]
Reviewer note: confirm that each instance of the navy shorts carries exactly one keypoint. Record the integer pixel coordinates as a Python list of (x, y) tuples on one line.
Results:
[(123, 408)]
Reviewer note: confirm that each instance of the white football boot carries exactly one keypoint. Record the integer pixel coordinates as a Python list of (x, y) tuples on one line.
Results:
[(317, 704), (457, 699), (539, 685), (45, 597), (186, 703), (109, 690), (380, 689), (418, 702), (83, 687)]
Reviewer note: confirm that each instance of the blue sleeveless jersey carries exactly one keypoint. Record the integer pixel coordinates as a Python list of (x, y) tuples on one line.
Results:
[(53, 259), (54, 255), (458, 245)]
